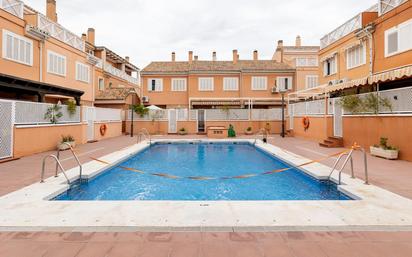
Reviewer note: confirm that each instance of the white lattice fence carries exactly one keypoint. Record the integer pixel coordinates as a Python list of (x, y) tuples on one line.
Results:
[(6, 129), (230, 114), (158, 115), (14, 7), (401, 100), (31, 113), (388, 5), (108, 114), (267, 114)]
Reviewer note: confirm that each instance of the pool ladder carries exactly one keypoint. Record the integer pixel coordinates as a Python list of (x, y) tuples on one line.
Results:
[(59, 165), (145, 135), (263, 132), (349, 158)]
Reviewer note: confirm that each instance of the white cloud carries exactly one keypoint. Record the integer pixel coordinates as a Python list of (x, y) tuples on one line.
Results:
[(149, 30)]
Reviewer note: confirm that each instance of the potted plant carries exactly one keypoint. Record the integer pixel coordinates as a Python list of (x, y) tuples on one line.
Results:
[(141, 110), (182, 131), (249, 131), (53, 114), (66, 139), (384, 150), (231, 132), (71, 107)]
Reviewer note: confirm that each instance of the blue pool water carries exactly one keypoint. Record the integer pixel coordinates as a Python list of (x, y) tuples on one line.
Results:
[(201, 159)]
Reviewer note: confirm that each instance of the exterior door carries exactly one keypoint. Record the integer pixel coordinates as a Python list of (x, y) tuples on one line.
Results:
[(337, 118), (6, 129), (89, 117), (291, 118), (200, 121), (172, 121)]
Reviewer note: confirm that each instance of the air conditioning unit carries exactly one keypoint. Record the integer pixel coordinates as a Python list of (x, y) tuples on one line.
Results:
[(333, 82), (344, 80), (275, 90), (145, 99)]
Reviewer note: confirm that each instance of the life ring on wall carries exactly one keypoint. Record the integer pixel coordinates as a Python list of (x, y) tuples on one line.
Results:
[(103, 129), (306, 123)]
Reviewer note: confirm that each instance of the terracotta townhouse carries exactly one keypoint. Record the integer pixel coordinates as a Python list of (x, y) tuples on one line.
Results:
[(43, 63), (364, 90), (197, 94)]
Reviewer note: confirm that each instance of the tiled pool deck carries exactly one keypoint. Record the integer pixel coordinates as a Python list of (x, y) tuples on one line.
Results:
[(391, 175)]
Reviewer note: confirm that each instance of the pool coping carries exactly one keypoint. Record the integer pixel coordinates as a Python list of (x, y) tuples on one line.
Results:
[(376, 209)]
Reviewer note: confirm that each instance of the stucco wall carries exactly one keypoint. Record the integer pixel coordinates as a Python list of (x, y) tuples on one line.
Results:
[(319, 129), (367, 130), (114, 129)]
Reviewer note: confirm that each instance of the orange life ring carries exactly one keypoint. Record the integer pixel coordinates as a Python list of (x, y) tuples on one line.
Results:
[(306, 123), (103, 129)]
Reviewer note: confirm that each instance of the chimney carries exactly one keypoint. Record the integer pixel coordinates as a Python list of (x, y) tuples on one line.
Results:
[(298, 41), (235, 57), (255, 55), (280, 49), (51, 10), (196, 58), (173, 56), (214, 56), (84, 37), (91, 36), (190, 56), (127, 58)]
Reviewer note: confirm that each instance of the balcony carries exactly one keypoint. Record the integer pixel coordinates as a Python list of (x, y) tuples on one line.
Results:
[(14, 7), (121, 74), (388, 5), (59, 32), (345, 29)]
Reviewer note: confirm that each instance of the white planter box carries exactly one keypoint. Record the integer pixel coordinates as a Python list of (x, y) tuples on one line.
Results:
[(387, 154), (63, 147)]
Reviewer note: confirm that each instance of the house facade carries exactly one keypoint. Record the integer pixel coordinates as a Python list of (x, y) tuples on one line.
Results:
[(207, 88), (365, 81)]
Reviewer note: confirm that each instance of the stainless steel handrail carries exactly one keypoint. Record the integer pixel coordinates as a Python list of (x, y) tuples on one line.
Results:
[(261, 131), (58, 164), (144, 132), (74, 155)]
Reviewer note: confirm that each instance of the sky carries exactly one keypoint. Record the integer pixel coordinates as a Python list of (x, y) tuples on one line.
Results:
[(149, 30)]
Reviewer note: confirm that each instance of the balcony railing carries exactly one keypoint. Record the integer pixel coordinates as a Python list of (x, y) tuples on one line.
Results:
[(121, 74), (388, 5), (95, 61), (345, 29), (14, 7), (60, 33)]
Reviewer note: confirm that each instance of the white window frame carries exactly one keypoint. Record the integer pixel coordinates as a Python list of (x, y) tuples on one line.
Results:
[(211, 79), (255, 87), (305, 62), (227, 83), (5, 46), (98, 83), (49, 53), (397, 29), (363, 53), (77, 72), (288, 87), (158, 88), (335, 66), (311, 77), (175, 80)]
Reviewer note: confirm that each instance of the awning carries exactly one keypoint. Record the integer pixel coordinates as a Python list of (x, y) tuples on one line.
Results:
[(329, 56), (319, 90), (218, 102), (347, 84), (19, 85), (391, 75)]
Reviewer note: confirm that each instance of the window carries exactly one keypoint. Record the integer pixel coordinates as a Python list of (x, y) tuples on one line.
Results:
[(307, 62), (259, 83), (312, 81), (17, 48), (82, 72), (230, 84), (355, 56), (329, 66), (101, 84), (155, 85), (206, 84), (284, 83), (398, 39), (179, 85), (56, 63)]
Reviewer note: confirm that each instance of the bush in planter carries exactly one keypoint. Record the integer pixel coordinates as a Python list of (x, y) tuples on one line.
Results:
[(71, 107), (53, 113), (231, 132), (141, 110), (249, 131), (182, 131), (384, 150), (66, 139)]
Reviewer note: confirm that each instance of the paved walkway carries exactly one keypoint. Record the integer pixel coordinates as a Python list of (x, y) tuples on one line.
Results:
[(395, 176), (286, 244)]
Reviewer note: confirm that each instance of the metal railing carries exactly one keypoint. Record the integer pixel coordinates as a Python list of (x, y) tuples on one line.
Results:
[(144, 133), (343, 30), (119, 73), (350, 158), (15, 7), (262, 132), (59, 165)]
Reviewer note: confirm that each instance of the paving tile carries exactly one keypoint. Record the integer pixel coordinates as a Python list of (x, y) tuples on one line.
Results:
[(338, 249), (155, 250), (189, 249), (104, 237), (388, 236), (306, 249), (125, 249), (215, 249), (159, 237), (95, 249), (77, 236), (131, 237), (187, 237), (23, 249), (64, 249), (277, 249), (214, 237), (246, 249)]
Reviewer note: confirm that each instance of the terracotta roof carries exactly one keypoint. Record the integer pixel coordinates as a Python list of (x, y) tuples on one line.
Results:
[(216, 66), (115, 93), (301, 48)]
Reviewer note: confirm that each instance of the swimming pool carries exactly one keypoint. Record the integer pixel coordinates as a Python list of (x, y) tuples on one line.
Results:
[(220, 162)]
